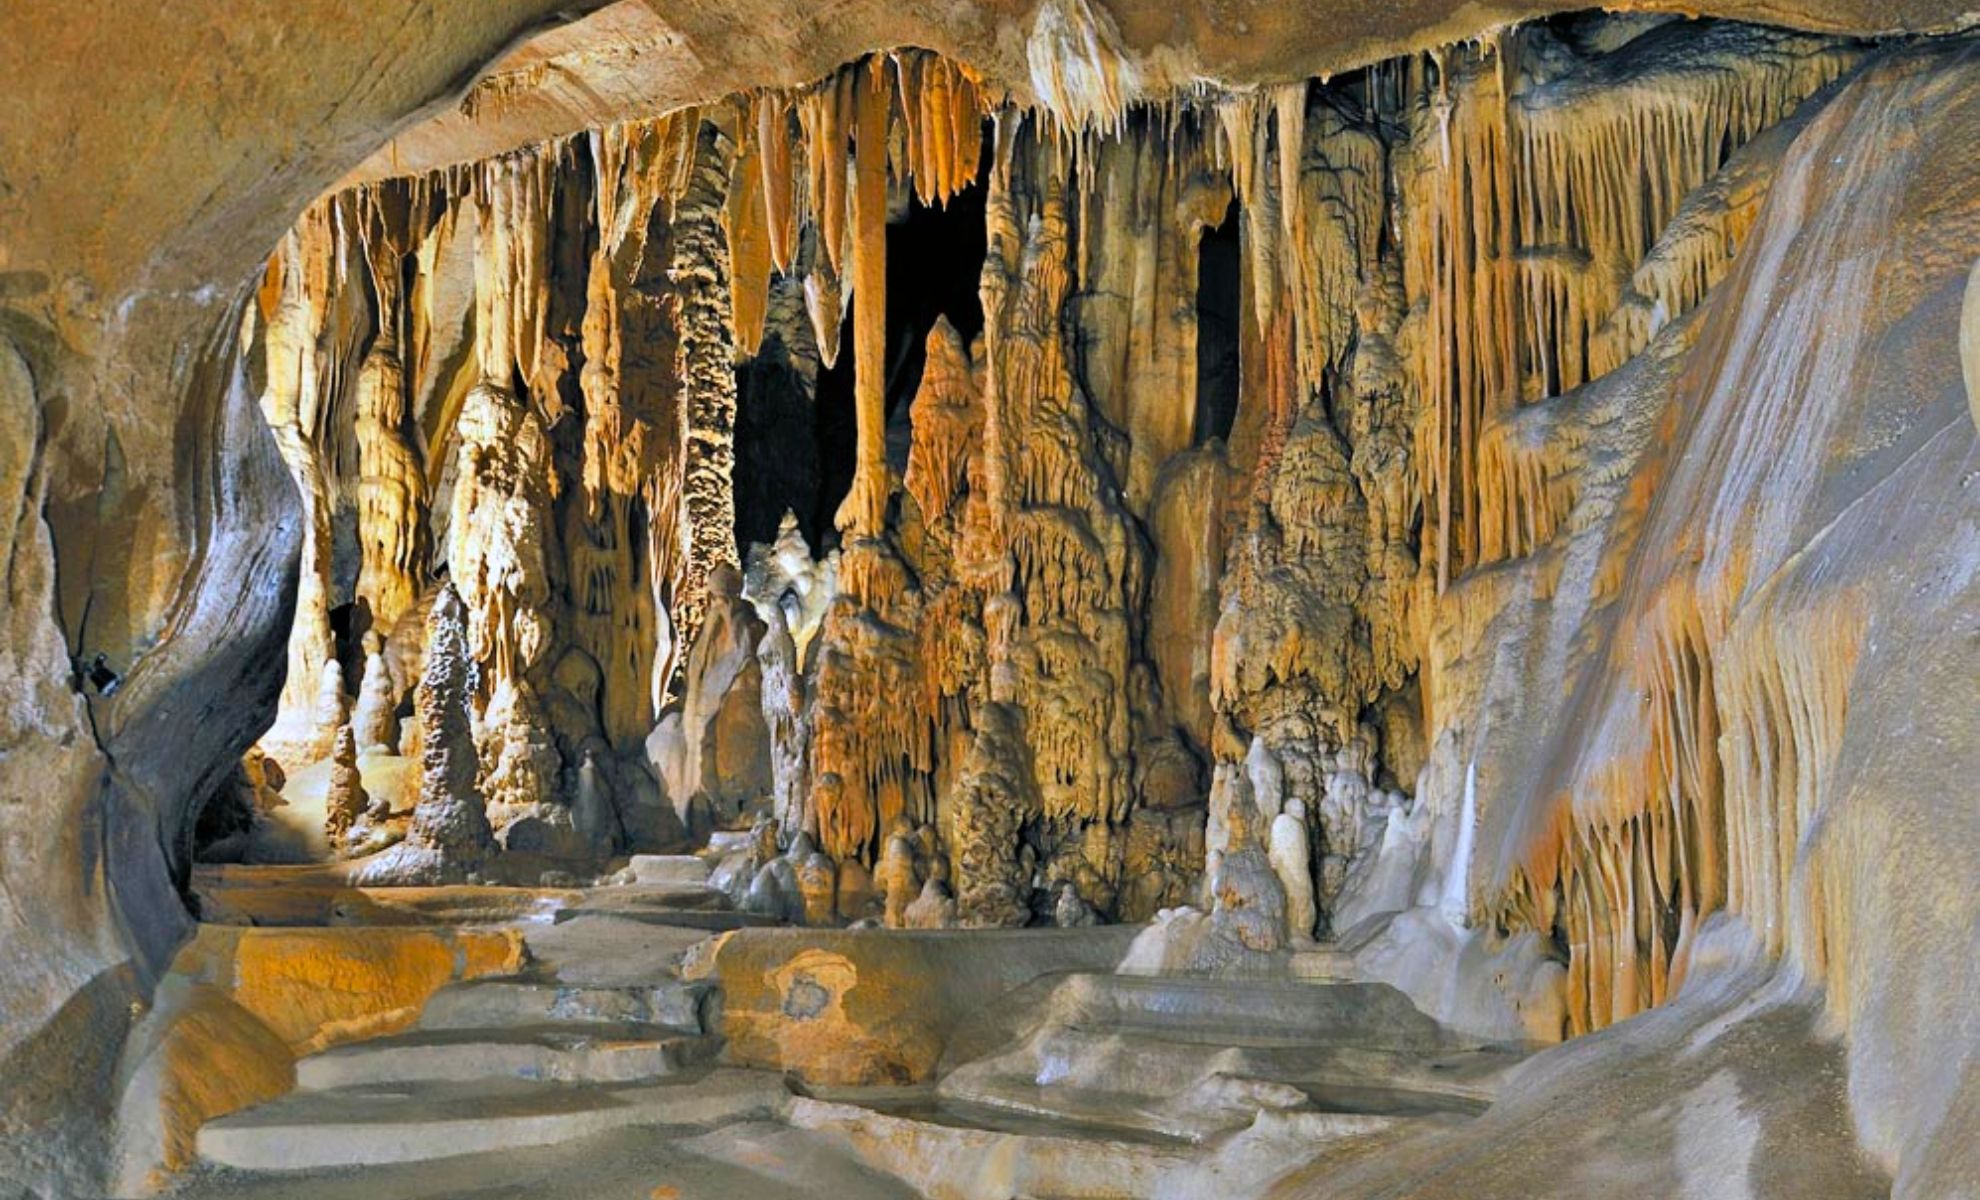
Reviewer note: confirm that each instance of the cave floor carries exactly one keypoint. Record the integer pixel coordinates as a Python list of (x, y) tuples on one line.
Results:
[(602, 1063), (595, 1064)]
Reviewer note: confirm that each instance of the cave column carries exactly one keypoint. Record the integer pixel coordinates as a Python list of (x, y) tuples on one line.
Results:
[(392, 524), (865, 510), (699, 274), (292, 404)]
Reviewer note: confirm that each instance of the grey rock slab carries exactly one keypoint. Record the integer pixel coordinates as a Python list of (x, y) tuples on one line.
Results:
[(660, 869), (758, 1160), (554, 1054), (371, 1126), (503, 1003)]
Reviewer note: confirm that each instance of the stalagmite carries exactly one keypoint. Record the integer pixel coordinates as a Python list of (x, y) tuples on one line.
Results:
[(1248, 904), (450, 836), (787, 721), (333, 705), (1070, 912), (346, 801), (818, 887), (993, 801), (1290, 854), (784, 577), (897, 880), (728, 751), (592, 812), (934, 908), (375, 721)]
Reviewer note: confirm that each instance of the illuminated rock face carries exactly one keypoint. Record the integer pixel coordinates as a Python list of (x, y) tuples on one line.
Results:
[(1073, 604), (1079, 595), (1584, 557)]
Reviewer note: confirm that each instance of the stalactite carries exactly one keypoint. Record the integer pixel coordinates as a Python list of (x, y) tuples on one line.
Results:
[(772, 118), (1457, 261), (1693, 252), (1535, 186), (825, 113), (1149, 198), (1078, 70), (746, 221), (1702, 812), (1710, 727), (1437, 259), (1605, 159), (825, 304), (512, 276), (941, 114), (1526, 483)]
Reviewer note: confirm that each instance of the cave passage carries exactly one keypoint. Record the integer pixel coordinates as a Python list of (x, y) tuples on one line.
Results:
[(780, 443)]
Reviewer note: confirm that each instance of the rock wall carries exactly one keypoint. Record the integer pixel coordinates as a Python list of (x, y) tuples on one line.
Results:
[(1750, 653), (153, 522)]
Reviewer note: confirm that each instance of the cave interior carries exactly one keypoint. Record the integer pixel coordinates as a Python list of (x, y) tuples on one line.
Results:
[(1119, 613)]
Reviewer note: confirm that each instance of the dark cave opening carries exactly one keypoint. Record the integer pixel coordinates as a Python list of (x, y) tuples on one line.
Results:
[(833, 438), (1218, 299), (777, 451), (795, 452)]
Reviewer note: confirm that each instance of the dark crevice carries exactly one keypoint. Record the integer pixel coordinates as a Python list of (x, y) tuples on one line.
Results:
[(795, 451), (1218, 280)]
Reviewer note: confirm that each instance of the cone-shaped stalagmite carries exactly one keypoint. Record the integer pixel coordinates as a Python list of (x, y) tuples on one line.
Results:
[(450, 836)]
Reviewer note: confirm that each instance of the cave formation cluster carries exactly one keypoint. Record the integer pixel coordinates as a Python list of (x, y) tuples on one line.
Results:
[(1078, 644)]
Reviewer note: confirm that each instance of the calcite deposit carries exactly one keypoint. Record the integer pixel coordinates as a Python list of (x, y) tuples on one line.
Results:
[(1229, 575)]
